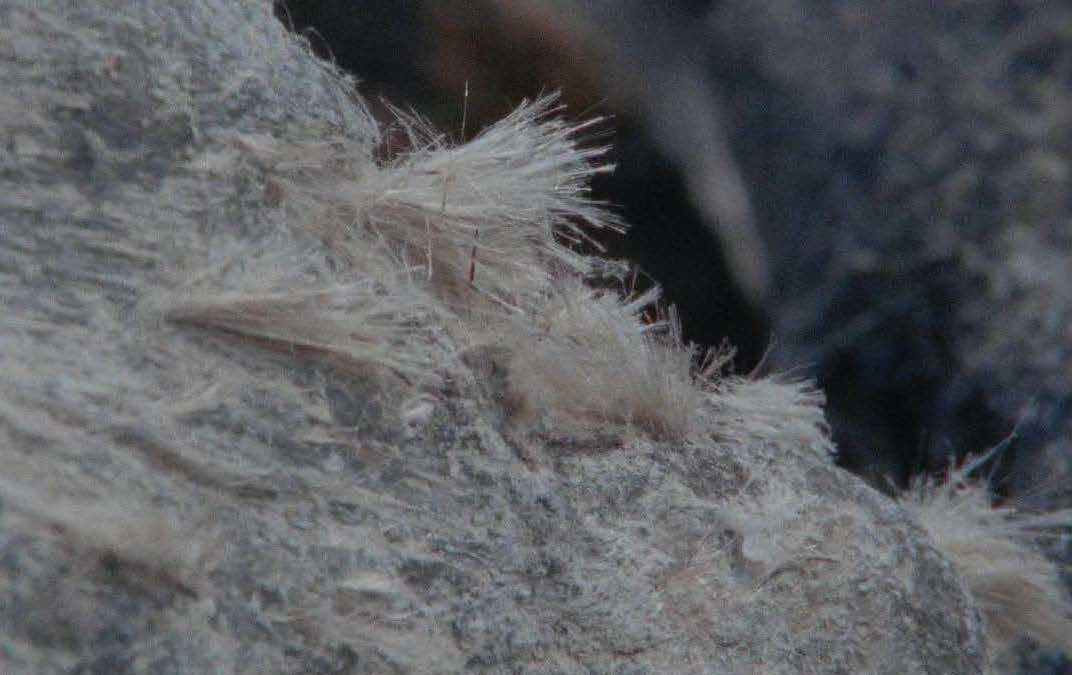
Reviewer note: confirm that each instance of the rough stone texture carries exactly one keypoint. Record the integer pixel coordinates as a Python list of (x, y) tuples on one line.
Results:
[(178, 501)]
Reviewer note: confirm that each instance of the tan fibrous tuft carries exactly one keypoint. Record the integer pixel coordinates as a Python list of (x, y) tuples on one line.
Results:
[(995, 549)]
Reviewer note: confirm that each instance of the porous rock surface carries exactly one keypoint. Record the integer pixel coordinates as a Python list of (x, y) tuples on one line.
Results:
[(173, 500)]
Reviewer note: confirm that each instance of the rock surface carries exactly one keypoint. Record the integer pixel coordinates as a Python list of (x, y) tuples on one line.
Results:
[(176, 500)]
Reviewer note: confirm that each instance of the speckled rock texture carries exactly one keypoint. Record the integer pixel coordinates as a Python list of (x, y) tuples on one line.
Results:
[(174, 500)]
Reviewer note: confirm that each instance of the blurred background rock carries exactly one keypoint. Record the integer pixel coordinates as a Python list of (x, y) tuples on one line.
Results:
[(877, 193)]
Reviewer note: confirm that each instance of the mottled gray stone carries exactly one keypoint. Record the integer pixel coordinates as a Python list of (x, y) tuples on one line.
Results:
[(173, 500)]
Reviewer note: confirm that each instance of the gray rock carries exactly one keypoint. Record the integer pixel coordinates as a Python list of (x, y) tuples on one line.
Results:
[(176, 500)]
